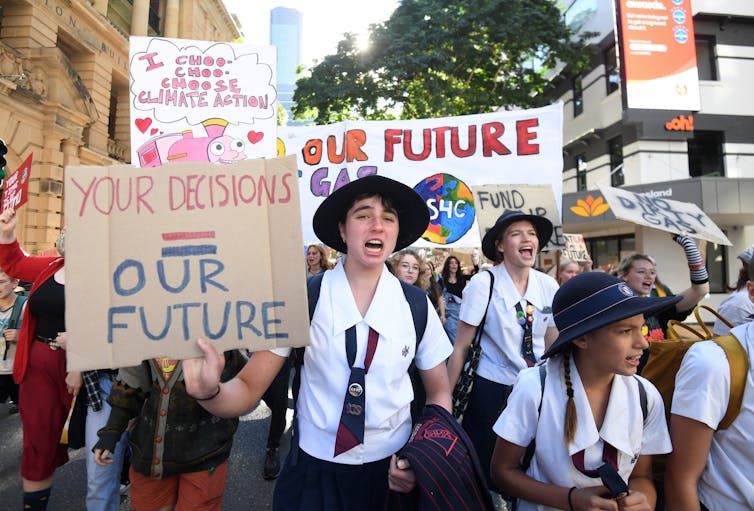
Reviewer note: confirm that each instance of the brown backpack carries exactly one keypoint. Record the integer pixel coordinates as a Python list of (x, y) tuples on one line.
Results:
[(665, 359)]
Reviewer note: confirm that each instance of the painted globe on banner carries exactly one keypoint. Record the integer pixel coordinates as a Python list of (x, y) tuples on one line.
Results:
[(451, 208)]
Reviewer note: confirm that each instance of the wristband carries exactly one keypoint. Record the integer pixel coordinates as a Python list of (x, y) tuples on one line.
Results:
[(209, 398), (570, 492)]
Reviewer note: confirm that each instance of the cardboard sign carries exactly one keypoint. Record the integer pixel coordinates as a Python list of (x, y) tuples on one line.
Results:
[(575, 248), (201, 101), (663, 214), (493, 200), (440, 158), (16, 186), (157, 259)]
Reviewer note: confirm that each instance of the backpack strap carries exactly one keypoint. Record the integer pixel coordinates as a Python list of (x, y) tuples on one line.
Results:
[(642, 399), (15, 315), (739, 368), (417, 302), (478, 334)]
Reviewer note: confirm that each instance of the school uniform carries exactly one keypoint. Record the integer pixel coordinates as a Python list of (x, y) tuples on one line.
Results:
[(737, 308), (702, 390), (624, 426), (502, 358), (387, 389)]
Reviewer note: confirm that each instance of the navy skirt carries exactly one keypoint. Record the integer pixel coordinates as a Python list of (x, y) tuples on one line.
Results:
[(486, 402), (315, 485)]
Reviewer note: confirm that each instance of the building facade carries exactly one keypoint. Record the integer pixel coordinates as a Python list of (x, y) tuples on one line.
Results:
[(64, 87), (705, 157)]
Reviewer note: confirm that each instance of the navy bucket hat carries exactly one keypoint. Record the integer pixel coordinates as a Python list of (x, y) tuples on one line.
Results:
[(540, 223), (593, 300), (413, 214)]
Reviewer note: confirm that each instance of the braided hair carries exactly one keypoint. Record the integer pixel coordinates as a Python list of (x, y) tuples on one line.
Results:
[(571, 421)]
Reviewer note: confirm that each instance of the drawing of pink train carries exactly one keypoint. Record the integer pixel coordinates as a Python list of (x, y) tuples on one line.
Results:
[(216, 147)]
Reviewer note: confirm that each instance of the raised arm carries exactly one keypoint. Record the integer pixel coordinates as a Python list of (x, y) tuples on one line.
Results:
[(697, 274)]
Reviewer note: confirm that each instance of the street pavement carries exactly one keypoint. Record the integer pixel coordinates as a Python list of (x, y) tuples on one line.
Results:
[(245, 490)]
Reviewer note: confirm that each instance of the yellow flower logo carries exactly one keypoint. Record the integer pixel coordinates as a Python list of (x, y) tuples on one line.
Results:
[(590, 206)]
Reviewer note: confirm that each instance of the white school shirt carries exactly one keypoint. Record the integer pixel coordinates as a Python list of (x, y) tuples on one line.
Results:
[(501, 358), (623, 426), (737, 308), (325, 373), (702, 390)]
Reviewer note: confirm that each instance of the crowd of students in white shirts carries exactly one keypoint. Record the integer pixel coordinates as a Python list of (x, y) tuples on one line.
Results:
[(557, 414)]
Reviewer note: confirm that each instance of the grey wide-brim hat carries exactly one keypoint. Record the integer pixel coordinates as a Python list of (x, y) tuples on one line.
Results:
[(413, 214), (596, 299), (541, 224), (745, 256)]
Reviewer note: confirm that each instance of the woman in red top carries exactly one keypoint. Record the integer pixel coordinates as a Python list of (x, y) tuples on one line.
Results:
[(45, 389)]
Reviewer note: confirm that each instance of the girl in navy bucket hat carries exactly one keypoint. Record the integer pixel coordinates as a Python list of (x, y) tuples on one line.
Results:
[(611, 420)]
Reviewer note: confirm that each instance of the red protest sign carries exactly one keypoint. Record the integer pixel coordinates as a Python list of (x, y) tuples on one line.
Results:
[(16, 186)]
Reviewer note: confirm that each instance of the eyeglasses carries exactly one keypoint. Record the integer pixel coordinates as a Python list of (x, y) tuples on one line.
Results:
[(410, 267)]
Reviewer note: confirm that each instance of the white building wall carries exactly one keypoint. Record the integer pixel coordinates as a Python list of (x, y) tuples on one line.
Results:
[(659, 160), (739, 160), (728, 7), (729, 94)]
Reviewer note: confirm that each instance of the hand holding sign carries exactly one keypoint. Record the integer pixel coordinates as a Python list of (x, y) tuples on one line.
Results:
[(16, 186), (664, 214), (8, 221), (202, 375)]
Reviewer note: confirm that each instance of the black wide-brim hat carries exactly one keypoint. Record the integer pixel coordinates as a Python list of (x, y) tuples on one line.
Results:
[(596, 299), (413, 214), (540, 223)]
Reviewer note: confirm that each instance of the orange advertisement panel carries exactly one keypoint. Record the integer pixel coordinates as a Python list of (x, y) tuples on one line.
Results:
[(658, 54)]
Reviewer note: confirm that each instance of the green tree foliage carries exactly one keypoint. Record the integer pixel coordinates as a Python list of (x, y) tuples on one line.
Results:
[(438, 58)]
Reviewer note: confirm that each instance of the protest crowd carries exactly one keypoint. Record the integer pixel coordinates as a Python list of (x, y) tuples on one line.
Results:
[(489, 386), (478, 259)]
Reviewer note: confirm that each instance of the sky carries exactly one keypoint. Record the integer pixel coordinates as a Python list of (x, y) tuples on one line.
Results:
[(324, 21)]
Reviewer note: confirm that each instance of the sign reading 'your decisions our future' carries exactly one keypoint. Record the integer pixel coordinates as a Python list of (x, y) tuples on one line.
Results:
[(193, 250)]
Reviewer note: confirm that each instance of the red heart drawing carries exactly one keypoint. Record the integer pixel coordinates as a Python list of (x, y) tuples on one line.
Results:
[(254, 136), (153, 131), (143, 124)]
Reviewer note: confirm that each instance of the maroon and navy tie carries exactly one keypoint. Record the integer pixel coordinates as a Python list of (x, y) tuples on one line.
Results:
[(351, 427)]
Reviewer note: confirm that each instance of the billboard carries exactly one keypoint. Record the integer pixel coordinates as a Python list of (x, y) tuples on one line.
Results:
[(658, 54)]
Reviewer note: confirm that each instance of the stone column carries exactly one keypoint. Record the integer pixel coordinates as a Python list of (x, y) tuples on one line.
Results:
[(172, 14), (101, 6), (140, 17)]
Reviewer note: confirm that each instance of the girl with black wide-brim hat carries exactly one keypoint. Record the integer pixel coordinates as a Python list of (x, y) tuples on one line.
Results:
[(362, 343)]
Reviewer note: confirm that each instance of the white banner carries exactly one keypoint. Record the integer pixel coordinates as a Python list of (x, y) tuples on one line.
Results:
[(440, 158)]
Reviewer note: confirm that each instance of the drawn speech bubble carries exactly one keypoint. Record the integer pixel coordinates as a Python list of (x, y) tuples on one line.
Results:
[(172, 80)]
